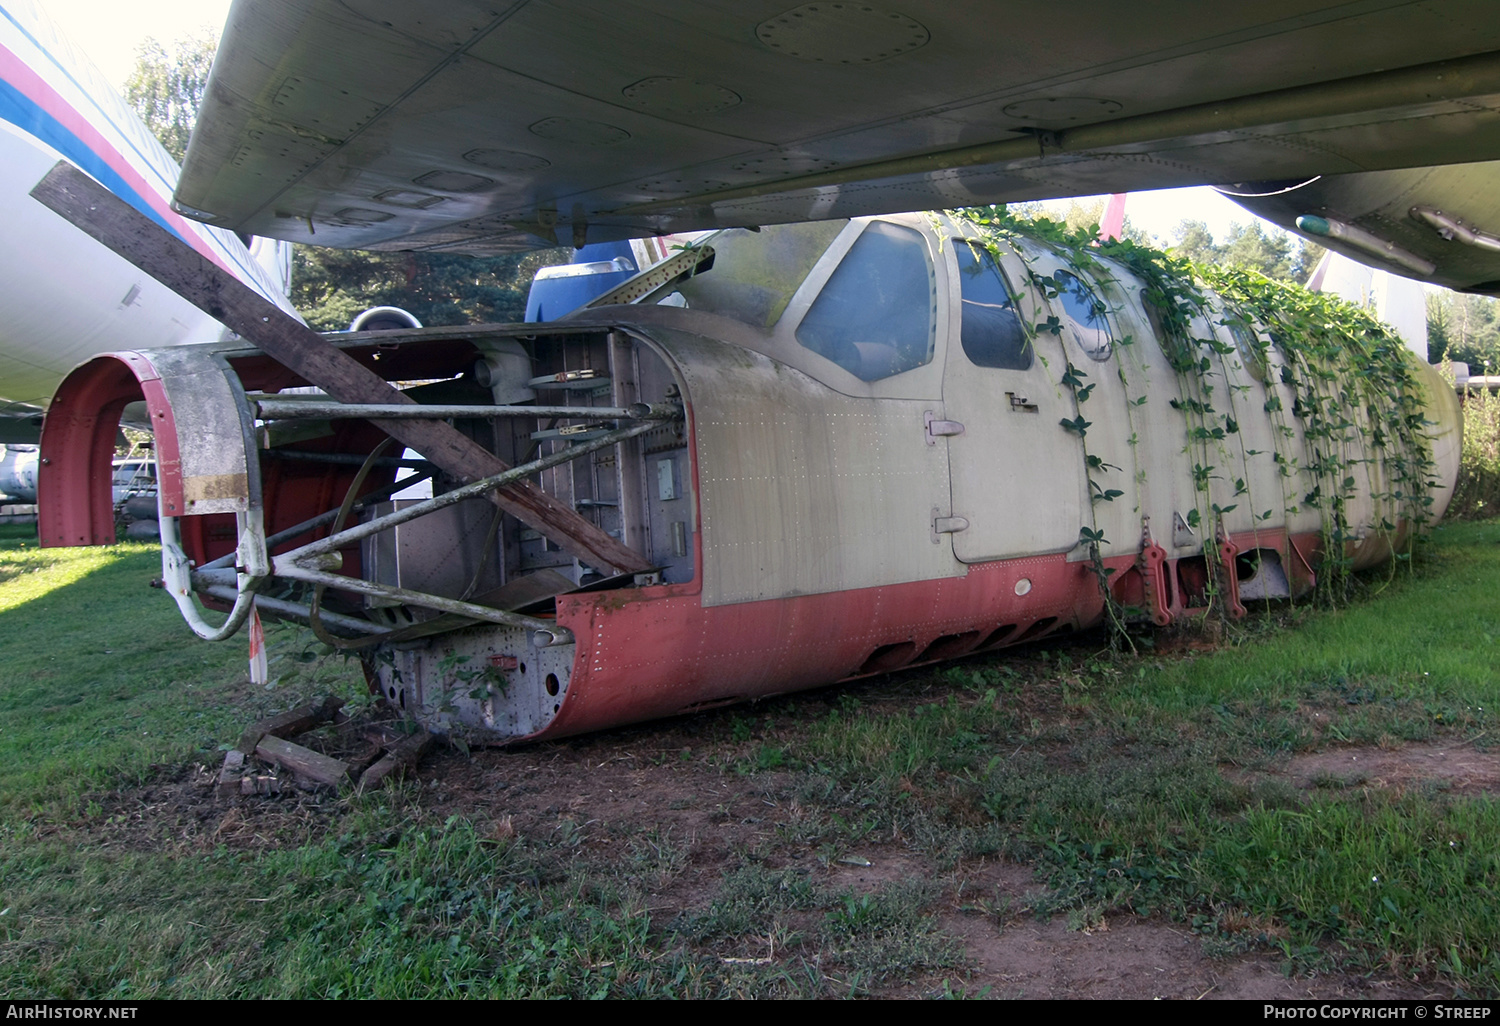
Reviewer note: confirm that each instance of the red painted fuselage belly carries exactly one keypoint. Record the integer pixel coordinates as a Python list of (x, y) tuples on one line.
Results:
[(658, 652)]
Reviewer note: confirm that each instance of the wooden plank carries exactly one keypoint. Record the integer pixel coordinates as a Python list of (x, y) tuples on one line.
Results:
[(303, 761), (404, 756), (290, 723), (234, 769), (118, 226), (359, 763)]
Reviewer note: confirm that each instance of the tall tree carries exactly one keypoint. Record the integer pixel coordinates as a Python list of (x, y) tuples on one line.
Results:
[(1249, 245), (1464, 328), (1078, 215), (1196, 243), (1274, 253), (166, 87), (1086, 215)]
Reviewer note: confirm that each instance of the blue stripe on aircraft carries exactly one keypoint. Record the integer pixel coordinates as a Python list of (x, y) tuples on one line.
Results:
[(24, 112), (247, 271)]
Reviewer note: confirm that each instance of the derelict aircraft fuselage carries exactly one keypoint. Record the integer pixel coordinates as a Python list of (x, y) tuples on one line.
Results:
[(858, 464), (843, 447)]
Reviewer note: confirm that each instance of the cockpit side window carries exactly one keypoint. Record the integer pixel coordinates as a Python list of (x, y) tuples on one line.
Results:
[(875, 316), (991, 329)]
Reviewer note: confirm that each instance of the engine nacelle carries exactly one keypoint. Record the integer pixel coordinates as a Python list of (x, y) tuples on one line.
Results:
[(384, 318)]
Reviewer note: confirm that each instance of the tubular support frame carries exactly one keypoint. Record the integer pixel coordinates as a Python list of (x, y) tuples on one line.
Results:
[(558, 635), (254, 567), (296, 530), (361, 531), (321, 409), (292, 609), (253, 570), (347, 459)]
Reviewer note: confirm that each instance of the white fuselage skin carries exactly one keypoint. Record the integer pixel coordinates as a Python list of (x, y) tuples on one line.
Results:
[(18, 466), (63, 297)]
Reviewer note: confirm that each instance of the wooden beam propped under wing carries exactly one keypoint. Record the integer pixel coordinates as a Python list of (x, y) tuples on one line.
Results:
[(121, 228)]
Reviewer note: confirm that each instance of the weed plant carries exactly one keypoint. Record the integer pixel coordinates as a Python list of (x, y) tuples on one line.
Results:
[(1477, 493)]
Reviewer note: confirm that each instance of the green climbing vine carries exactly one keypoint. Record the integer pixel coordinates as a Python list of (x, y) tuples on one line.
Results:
[(1362, 412), (1352, 390), (1180, 311), (996, 224)]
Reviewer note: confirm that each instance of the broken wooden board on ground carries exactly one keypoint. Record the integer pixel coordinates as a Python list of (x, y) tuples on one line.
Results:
[(303, 761), (232, 772), (389, 756), (398, 760), (290, 723), (260, 783)]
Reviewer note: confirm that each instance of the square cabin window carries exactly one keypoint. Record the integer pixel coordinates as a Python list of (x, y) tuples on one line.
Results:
[(991, 329), (875, 315)]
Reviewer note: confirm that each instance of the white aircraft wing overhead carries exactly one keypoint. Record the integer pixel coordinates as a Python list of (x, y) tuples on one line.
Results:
[(491, 126)]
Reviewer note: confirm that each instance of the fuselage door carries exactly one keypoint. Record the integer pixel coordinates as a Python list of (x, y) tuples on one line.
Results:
[(1016, 473)]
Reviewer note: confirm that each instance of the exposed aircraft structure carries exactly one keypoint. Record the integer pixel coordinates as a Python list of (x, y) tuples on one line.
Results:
[(841, 443), (65, 297), (849, 447)]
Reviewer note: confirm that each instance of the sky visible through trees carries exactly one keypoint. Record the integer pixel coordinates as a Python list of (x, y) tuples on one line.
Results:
[(166, 88)]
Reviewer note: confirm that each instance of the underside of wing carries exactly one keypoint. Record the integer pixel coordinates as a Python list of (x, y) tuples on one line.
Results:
[(475, 127), (1431, 223)]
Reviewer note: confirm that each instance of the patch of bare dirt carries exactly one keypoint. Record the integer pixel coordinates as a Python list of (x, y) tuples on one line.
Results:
[(182, 811), (1452, 766), (1132, 958)]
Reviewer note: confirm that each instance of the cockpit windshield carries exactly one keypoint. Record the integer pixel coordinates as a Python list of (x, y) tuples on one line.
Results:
[(755, 274)]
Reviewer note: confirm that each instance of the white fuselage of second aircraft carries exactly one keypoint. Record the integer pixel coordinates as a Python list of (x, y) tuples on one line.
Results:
[(65, 298)]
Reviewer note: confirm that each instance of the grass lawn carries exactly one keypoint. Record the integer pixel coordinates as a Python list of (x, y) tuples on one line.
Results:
[(1179, 785)]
